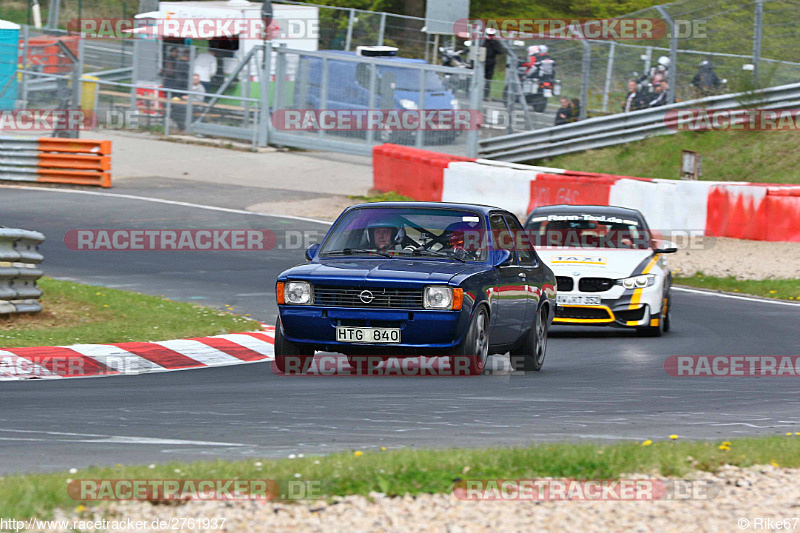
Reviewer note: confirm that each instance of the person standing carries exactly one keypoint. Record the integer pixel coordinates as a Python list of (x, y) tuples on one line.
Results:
[(575, 110), (632, 99), (493, 49)]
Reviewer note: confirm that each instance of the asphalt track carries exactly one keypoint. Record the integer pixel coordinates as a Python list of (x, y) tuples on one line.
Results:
[(597, 384)]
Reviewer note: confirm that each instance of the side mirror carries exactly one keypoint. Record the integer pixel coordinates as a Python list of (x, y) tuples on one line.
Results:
[(501, 258), (312, 251), (665, 251)]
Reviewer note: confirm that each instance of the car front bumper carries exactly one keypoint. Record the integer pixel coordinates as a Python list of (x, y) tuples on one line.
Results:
[(419, 329), (618, 307)]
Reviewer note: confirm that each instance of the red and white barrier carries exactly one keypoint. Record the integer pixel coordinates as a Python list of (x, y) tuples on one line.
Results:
[(132, 358), (742, 210)]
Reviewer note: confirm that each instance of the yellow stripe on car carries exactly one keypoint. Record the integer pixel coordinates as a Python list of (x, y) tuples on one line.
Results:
[(637, 294)]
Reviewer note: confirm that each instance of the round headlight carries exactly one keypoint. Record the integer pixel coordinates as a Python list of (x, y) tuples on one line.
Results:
[(438, 297), (641, 281), (297, 292), (628, 283)]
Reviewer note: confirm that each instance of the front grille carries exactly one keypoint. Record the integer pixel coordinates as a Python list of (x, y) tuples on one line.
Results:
[(382, 298), (595, 284), (564, 283), (630, 314), (582, 313)]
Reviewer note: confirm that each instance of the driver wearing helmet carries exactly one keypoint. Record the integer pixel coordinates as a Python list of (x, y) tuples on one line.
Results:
[(386, 235), (462, 241)]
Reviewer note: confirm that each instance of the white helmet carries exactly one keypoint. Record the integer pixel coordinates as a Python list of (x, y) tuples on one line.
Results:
[(664, 61), (543, 48), (491, 31), (533, 50)]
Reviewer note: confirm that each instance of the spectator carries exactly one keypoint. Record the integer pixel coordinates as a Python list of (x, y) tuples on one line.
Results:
[(493, 49), (564, 113), (168, 68), (661, 95), (706, 81), (575, 110), (180, 104), (633, 99), (182, 71)]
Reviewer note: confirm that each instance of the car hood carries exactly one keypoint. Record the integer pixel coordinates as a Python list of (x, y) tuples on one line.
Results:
[(596, 262), (360, 270)]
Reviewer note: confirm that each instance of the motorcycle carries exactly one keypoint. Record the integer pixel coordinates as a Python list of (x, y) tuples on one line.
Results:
[(538, 83), (449, 57)]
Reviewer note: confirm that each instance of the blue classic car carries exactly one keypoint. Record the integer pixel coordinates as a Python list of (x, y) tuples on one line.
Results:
[(402, 279)]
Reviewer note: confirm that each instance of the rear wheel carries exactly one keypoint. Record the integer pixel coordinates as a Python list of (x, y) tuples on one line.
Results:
[(530, 355), (290, 355), (473, 351)]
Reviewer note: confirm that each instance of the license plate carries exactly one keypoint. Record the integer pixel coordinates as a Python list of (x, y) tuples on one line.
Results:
[(370, 335), (570, 299)]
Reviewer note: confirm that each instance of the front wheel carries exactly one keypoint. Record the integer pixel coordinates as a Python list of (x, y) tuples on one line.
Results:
[(530, 356), (290, 355), (473, 351)]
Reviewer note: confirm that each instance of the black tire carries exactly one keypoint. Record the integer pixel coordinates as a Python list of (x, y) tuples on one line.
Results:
[(530, 355), (475, 346), (297, 357), (663, 322)]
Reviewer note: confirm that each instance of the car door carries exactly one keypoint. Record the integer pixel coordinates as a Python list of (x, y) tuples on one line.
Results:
[(530, 265), (509, 296)]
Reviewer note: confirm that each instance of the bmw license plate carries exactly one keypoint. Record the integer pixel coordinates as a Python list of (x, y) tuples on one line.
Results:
[(370, 335), (571, 299)]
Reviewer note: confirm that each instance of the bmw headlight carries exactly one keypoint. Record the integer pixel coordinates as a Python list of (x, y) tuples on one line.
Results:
[(638, 282), (298, 293), (441, 297), (405, 103)]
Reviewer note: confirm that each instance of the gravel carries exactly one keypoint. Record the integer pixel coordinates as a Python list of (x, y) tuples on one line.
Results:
[(739, 258), (765, 492)]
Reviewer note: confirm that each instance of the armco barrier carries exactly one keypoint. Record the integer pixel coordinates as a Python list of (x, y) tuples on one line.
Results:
[(55, 160), (755, 211), (19, 252), (410, 171)]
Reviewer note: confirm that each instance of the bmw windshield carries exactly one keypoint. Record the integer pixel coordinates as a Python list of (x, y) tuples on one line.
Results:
[(588, 230), (403, 232)]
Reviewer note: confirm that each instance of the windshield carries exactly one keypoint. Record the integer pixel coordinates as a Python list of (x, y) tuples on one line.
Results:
[(404, 232), (407, 79), (588, 230)]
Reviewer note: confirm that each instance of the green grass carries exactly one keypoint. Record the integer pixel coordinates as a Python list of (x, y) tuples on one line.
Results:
[(390, 196), (767, 157), (782, 289), (75, 313), (422, 471)]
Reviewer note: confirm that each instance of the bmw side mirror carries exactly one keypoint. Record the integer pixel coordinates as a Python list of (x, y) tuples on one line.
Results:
[(502, 258), (312, 251), (665, 250)]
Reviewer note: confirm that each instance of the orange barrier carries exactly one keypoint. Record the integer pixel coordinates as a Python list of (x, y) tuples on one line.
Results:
[(56, 160), (754, 212), (410, 171)]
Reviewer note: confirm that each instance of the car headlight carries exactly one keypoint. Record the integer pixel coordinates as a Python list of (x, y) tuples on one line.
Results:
[(298, 293), (637, 282), (454, 104), (441, 297), (405, 103)]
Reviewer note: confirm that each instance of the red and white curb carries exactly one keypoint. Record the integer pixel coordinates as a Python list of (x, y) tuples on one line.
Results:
[(133, 358)]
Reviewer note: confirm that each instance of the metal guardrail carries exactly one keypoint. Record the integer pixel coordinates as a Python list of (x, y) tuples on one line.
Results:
[(601, 132), (19, 253)]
